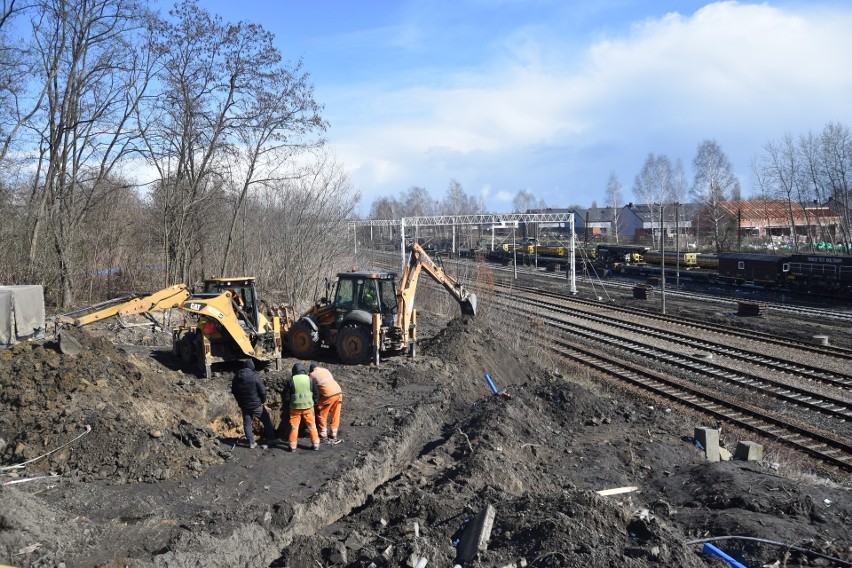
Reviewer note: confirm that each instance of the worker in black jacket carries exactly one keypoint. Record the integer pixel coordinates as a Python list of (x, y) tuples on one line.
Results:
[(250, 392)]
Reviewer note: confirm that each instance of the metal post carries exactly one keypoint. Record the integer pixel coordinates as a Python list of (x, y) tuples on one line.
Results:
[(402, 244), (355, 235), (492, 236), (662, 260), (677, 245), (535, 245), (573, 265), (514, 254)]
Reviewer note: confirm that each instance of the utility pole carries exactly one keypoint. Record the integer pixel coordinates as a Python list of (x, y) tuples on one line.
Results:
[(514, 254), (662, 259), (677, 245), (535, 245)]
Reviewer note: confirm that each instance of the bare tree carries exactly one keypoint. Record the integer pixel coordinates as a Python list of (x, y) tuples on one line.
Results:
[(523, 201), (836, 146), (714, 184), (779, 172), (653, 185), (385, 208), (458, 202), (18, 65), (220, 80), (279, 117), (417, 202), (95, 71), (614, 201), (295, 237)]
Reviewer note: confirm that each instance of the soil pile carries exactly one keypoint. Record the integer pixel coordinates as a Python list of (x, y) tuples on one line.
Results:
[(428, 448), (145, 422)]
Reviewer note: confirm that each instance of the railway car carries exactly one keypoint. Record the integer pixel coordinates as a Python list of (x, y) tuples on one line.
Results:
[(746, 268), (655, 257), (554, 250), (818, 274), (707, 261), (618, 254)]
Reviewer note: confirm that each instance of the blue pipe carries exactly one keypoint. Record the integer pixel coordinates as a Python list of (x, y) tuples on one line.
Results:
[(713, 551), (491, 384)]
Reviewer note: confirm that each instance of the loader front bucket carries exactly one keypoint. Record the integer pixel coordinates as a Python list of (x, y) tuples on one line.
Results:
[(468, 306)]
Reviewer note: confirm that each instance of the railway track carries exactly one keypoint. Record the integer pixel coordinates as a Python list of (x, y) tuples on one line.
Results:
[(802, 397), (817, 442), (803, 438), (818, 350), (722, 297), (806, 373)]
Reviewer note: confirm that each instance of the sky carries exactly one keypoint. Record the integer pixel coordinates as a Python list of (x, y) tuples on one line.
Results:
[(551, 96)]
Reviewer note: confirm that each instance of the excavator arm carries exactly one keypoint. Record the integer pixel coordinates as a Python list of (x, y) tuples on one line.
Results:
[(164, 299), (418, 261), (220, 309)]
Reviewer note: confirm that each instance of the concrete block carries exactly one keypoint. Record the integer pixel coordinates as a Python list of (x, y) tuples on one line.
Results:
[(476, 535), (748, 451), (709, 440), (724, 454)]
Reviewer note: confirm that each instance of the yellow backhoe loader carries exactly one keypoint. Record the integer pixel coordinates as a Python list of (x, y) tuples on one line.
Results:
[(231, 324), (372, 312)]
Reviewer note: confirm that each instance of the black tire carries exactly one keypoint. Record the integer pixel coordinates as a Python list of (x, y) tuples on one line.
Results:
[(188, 349), (302, 340), (354, 345)]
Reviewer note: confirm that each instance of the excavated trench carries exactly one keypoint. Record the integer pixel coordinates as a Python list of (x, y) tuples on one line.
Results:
[(261, 543)]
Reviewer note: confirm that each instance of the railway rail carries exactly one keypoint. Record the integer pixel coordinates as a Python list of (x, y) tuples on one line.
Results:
[(821, 350), (806, 398), (803, 438)]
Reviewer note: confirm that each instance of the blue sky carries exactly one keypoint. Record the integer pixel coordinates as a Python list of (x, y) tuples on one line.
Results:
[(553, 95)]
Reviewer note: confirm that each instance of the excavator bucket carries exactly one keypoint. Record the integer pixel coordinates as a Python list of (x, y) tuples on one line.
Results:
[(468, 306)]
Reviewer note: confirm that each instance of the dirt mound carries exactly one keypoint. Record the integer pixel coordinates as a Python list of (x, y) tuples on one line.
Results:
[(427, 447), (144, 422), (471, 351), (509, 451)]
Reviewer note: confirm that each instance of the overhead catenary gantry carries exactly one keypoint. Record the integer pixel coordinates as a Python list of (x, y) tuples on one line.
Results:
[(494, 221)]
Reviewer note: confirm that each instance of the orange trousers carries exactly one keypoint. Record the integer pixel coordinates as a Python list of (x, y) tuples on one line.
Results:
[(329, 408), (296, 417)]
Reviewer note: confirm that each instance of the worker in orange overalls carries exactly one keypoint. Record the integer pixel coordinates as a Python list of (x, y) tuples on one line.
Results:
[(300, 394), (330, 401)]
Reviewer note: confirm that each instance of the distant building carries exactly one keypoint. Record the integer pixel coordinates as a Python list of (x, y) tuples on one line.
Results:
[(595, 223), (781, 220), (640, 223)]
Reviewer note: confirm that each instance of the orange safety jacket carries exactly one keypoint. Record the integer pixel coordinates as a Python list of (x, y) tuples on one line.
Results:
[(326, 384)]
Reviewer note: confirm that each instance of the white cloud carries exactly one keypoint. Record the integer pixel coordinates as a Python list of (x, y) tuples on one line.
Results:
[(739, 73)]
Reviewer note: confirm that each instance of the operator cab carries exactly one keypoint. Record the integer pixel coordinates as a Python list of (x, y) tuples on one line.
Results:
[(373, 292), (243, 293)]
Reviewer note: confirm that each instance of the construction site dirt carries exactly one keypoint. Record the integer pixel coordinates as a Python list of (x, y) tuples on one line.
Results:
[(133, 462)]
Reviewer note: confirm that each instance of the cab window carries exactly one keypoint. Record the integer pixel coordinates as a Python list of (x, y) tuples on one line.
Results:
[(368, 296), (345, 294), (387, 292)]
